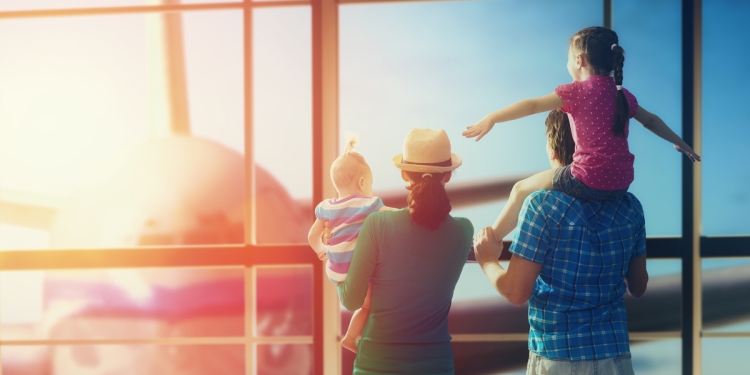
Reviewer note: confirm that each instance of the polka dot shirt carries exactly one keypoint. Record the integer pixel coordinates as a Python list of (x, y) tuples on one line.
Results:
[(601, 160)]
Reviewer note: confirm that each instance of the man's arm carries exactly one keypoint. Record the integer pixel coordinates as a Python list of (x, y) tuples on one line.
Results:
[(636, 279), (515, 284)]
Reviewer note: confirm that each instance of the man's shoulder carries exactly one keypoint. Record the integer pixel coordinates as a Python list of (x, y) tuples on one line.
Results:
[(550, 198), (556, 205), (627, 207)]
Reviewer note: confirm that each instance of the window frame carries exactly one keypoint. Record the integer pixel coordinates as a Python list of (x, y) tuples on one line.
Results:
[(691, 247)]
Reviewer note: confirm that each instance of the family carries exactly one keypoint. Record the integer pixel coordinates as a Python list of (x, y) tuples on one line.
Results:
[(580, 243)]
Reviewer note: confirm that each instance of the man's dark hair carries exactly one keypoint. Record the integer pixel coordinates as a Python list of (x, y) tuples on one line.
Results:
[(559, 135)]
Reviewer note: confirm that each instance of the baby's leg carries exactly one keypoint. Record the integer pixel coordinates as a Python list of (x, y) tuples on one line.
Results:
[(508, 218), (357, 324)]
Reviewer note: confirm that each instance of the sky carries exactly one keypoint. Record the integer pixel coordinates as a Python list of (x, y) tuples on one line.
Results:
[(417, 64)]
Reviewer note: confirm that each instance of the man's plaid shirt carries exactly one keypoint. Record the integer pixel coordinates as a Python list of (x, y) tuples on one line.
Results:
[(576, 310)]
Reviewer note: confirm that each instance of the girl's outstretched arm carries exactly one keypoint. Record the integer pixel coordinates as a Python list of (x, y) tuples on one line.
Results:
[(655, 124), (514, 111)]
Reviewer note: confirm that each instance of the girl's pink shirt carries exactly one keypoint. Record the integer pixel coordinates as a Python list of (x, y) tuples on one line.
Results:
[(601, 160)]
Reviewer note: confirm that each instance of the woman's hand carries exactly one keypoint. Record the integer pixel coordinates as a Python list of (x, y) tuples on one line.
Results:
[(486, 249), (327, 232)]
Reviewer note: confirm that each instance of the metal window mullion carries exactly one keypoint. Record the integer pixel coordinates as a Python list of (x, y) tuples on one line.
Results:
[(162, 341), (325, 23), (103, 11), (249, 212), (691, 188), (607, 19)]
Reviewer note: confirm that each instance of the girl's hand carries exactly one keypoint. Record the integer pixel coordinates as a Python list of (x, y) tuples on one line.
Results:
[(685, 149), (479, 129), (486, 249)]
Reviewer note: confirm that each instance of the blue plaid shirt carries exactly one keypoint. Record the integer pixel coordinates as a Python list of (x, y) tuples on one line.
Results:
[(576, 310)]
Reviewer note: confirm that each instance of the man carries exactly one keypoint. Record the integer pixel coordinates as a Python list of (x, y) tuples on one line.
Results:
[(572, 260)]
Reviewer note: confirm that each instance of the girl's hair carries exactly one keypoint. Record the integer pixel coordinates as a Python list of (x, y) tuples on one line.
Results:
[(428, 202), (559, 135), (349, 166), (595, 44)]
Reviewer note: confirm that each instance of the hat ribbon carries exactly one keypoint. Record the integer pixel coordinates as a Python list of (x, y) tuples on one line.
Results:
[(446, 163)]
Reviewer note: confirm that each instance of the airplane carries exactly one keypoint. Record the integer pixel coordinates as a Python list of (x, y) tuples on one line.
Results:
[(151, 197)]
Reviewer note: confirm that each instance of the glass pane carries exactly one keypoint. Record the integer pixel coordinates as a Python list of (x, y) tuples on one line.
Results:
[(659, 309), (284, 301), (282, 120), (95, 143), (291, 359), (215, 73), (662, 357), (122, 304), (657, 166), (725, 135), (490, 357), (726, 288), (725, 356), (476, 306), (124, 359)]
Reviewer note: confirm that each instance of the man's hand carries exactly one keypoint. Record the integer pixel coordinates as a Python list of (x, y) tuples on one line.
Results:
[(486, 249), (479, 129)]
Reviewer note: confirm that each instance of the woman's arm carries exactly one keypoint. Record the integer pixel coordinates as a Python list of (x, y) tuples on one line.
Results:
[(655, 125), (514, 111), (515, 284), (354, 288)]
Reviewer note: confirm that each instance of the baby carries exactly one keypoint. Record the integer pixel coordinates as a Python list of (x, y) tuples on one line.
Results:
[(344, 215)]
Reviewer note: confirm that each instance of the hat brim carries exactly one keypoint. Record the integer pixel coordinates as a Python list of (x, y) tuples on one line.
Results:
[(455, 163)]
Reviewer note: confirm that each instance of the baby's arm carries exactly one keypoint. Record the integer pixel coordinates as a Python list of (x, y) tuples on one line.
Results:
[(655, 124), (514, 111), (313, 238)]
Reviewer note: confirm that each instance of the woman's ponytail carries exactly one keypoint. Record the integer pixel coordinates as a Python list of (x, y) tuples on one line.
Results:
[(622, 109), (428, 202)]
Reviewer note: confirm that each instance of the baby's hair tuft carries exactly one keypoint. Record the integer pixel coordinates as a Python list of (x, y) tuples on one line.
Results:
[(351, 141)]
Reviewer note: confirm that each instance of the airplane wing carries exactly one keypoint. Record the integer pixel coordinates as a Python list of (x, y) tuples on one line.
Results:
[(462, 194), (27, 210)]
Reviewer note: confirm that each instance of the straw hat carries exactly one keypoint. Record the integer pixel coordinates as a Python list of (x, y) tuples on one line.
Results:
[(427, 150)]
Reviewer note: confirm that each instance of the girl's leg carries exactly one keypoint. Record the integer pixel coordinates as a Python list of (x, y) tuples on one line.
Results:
[(357, 324), (508, 218)]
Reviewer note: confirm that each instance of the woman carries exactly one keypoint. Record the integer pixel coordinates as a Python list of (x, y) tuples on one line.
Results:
[(413, 258)]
